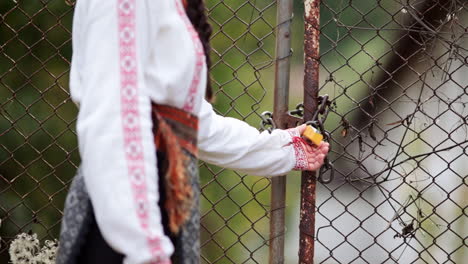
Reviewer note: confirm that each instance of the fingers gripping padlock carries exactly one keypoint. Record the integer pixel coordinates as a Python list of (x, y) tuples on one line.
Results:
[(311, 133)]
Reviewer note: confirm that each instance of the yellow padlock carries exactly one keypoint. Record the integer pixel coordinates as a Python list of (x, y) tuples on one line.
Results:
[(312, 135)]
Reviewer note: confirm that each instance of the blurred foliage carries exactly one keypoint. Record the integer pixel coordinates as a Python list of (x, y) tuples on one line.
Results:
[(38, 153)]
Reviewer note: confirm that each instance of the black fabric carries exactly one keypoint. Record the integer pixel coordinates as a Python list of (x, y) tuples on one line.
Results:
[(96, 250), (76, 221)]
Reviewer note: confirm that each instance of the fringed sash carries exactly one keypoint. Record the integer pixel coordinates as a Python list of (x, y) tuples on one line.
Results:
[(175, 134)]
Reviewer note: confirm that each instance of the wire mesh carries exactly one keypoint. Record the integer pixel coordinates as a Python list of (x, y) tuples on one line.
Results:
[(38, 153), (397, 73), (235, 207)]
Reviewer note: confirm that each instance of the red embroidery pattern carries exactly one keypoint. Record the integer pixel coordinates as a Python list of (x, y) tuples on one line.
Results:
[(131, 121), (200, 59), (299, 151)]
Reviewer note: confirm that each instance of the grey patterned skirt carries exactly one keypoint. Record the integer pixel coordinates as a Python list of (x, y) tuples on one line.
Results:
[(81, 240)]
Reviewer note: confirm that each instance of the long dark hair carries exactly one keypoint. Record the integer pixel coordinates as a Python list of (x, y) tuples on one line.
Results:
[(197, 14)]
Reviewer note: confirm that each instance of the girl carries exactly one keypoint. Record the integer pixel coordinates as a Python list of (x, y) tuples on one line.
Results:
[(139, 75)]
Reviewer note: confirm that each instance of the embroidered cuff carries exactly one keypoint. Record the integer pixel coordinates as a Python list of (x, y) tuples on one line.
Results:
[(299, 151)]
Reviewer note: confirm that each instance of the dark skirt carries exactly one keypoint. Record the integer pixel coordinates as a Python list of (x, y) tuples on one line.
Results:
[(81, 240)]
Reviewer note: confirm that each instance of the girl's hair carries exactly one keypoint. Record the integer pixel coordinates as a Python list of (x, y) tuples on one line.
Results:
[(196, 12)]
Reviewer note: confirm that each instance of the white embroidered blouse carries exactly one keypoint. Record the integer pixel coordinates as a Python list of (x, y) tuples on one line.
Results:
[(127, 53)]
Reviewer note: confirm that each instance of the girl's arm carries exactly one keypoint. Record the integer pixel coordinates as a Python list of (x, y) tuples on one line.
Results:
[(232, 143)]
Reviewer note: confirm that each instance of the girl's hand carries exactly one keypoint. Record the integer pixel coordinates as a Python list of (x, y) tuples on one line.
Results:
[(315, 154)]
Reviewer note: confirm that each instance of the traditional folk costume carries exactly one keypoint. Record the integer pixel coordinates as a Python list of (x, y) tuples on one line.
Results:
[(139, 76)]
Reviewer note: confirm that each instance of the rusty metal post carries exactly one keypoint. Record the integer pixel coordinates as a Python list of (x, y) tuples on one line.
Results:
[(311, 87), (280, 109)]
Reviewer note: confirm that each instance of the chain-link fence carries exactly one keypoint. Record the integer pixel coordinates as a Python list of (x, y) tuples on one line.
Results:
[(235, 208), (38, 150), (395, 71)]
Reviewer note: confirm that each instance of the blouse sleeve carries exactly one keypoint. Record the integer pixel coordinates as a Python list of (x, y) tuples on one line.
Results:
[(232, 143), (115, 129)]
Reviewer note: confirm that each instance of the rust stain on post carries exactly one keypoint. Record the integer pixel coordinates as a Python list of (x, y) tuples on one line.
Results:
[(311, 87)]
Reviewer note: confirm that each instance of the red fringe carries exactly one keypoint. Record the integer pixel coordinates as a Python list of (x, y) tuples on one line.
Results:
[(178, 186)]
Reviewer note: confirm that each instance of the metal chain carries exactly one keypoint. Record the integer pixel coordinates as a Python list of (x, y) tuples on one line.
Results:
[(318, 120), (299, 111), (267, 122)]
